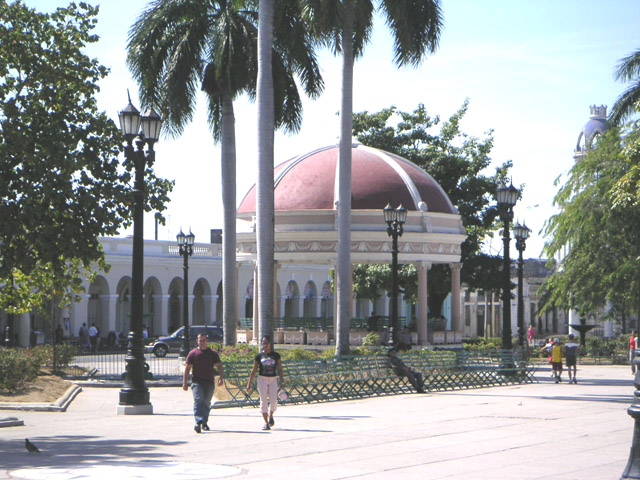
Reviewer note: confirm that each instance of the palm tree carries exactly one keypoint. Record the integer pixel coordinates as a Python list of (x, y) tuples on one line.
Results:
[(177, 46), (265, 224), (628, 70), (346, 26)]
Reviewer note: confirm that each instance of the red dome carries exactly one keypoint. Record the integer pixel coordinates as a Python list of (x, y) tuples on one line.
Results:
[(308, 182)]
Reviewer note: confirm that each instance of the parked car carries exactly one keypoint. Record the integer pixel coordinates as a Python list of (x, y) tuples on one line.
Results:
[(173, 343)]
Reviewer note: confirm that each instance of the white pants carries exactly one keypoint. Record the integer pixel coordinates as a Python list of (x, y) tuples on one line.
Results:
[(268, 390)]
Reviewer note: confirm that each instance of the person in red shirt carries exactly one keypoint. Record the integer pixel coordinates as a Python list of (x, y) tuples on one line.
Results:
[(200, 363), (631, 350)]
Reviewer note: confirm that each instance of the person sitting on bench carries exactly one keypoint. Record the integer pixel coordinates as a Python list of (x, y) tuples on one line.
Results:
[(402, 370)]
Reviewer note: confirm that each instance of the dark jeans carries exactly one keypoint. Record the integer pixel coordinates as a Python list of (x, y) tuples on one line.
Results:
[(415, 378), (202, 394)]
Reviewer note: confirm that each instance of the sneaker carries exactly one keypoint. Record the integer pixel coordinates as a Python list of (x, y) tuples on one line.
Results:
[(205, 427), (575, 381), (266, 427), (557, 380), (197, 428), (271, 422)]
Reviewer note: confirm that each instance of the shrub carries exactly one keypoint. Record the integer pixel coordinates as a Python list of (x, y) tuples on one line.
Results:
[(236, 353), (298, 353), (64, 354), (17, 367), (481, 344)]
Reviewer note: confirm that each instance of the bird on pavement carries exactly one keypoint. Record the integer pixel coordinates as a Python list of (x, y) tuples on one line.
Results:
[(31, 448)]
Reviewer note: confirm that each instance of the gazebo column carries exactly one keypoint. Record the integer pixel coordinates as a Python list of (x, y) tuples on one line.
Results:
[(276, 267), (256, 333), (423, 305), (456, 321)]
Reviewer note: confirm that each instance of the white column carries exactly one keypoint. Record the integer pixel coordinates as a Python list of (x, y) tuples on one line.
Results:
[(109, 310), (164, 317), (210, 302), (423, 306), (299, 306), (456, 323), (80, 312)]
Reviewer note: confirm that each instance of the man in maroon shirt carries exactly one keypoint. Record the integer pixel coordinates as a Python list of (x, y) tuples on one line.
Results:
[(200, 363)]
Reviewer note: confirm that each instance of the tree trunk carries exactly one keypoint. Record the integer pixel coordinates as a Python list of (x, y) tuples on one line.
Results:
[(229, 269), (343, 271), (264, 188)]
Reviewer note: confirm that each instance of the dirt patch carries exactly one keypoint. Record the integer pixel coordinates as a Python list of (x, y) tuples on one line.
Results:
[(44, 389)]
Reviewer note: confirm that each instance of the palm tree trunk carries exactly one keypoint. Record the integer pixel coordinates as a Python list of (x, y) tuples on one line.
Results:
[(264, 188), (343, 270), (229, 269)]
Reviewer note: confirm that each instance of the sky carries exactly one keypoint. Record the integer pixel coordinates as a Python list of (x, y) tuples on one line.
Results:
[(530, 69)]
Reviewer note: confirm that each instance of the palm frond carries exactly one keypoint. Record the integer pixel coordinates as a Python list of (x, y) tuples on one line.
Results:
[(416, 27)]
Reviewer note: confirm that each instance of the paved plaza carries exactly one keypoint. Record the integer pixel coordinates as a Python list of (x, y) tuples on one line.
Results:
[(538, 431)]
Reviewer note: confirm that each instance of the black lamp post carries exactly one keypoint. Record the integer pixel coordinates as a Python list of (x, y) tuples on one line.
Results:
[(144, 130), (395, 220), (506, 198), (185, 248), (521, 232)]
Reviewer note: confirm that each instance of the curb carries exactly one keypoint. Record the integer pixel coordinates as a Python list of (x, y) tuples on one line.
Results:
[(59, 405), (11, 422)]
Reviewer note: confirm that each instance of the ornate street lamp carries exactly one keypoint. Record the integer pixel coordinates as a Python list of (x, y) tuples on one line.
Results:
[(185, 249), (521, 232), (134, 395), (395, 220), (506, 198)]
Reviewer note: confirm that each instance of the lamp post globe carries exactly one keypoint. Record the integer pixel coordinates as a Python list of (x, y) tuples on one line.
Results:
[(395, 220), (185, 249), (506, 198), (521, 232), (134, 394)]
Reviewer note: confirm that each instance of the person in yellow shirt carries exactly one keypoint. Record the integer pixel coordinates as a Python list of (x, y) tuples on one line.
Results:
[(556, 359)]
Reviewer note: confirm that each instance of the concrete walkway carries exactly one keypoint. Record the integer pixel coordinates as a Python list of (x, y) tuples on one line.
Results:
[(539, 431)]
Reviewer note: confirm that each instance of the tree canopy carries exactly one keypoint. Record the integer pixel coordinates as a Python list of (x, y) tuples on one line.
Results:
[(62, 185), (594, 234), (457, 161)]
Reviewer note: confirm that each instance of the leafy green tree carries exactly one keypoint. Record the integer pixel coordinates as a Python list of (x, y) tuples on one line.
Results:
[(370, 281), (345, 26), (175, 47), (597, 226), (61, 185), (457, 162)]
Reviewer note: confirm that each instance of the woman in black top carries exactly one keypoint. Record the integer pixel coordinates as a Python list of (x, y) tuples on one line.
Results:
[(267, 363)]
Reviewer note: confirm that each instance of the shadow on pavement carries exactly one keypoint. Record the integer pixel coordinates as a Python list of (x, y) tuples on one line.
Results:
[(80, 450)]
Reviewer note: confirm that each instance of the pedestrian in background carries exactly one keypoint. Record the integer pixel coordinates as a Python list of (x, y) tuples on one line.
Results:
[(556, 359), (570, 352), (631, 350)]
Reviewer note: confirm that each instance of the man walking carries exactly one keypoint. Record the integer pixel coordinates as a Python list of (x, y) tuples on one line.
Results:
[(570, 352), (200, 363)]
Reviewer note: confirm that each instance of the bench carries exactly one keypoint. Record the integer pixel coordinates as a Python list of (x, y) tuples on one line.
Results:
[(350, 377)]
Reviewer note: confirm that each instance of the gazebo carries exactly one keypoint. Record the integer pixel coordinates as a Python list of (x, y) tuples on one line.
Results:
[(306, 218)]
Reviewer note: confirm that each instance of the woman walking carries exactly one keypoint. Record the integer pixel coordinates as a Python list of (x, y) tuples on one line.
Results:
[(267, 363)]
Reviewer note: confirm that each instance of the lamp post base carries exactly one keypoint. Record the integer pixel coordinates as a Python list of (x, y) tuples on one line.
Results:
[(135, 409)]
